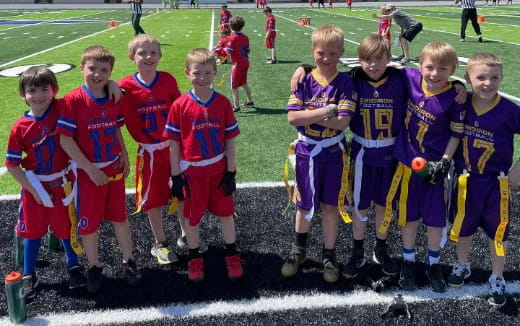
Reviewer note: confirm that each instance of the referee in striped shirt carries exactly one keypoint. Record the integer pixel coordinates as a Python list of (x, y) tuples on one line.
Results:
[(137, 11), (469, 11)]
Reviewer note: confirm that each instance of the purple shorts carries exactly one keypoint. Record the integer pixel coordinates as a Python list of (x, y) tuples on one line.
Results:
[(426, 201), (375, 184), (482, 206), (328, 168)]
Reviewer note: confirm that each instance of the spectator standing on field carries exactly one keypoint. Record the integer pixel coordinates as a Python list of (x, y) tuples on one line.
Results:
[(469, 11)]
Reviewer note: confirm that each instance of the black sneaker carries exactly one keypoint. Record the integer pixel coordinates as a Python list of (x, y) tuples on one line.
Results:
[(460, 271), (236, 109), (94, 279), (436, 278), (381, 257), (132, 275), (30, 283), (296, 257), (407, 275), (356, 261), (76, 277), (249, 104), (330, 270), (480, 38), (497, 289)]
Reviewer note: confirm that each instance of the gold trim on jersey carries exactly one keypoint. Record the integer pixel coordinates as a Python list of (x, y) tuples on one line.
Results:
[(430, 94), (379, 83), (481, 111), (322, 82)]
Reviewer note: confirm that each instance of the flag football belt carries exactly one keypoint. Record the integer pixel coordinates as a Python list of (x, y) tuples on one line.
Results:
[(358, 167), (319, 145), (505, 197), (401, 180), (36, 181), (150, 148)]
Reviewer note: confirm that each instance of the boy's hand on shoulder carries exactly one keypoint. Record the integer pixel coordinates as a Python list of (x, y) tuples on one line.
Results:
[(114, 91), (97, 176), (228, 182), (460, 89), (297, 78), (177, 185)]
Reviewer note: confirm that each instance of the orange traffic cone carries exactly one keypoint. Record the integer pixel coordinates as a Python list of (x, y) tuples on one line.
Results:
[(305, 21), (482, 19), (112, 24)]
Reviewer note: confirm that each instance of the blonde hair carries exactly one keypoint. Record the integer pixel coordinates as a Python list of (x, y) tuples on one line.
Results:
[(441, 53), (487, 59), (37, 76), (141, 39), (201, 56), (374, 45), (98, 53), (328, 35)]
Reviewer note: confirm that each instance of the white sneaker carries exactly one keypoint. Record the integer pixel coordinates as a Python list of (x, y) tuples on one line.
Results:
[(163, 253), (497, 290), (182, 244), (461, 271)]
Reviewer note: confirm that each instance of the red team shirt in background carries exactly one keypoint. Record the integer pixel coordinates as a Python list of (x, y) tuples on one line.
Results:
[(238, 49), (220, 48), (384, 24), (225, 16), (145, 111), (33, 145), (270, 27)]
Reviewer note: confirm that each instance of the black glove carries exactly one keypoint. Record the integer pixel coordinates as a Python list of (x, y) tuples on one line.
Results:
[(178, 184), (228, 182), (438, 171)]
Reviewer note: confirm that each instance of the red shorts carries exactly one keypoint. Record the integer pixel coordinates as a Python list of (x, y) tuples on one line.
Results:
[(158, 188), (239, 75), (269, 40), (34, 219), (203, 193), (97, 203)]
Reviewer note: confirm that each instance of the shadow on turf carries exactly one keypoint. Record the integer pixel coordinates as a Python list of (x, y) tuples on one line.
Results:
[(260, 110)]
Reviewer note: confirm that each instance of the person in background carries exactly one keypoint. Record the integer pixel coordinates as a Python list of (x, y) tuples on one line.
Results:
[(469, 11)]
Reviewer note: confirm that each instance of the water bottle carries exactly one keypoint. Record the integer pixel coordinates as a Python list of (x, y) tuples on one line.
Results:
[(15, 301), (421, 167), (18, 250), (53, 243)]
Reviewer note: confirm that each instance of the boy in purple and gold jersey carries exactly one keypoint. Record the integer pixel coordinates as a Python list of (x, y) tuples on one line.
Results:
[(432, 130), (320, 109), (483, 165)]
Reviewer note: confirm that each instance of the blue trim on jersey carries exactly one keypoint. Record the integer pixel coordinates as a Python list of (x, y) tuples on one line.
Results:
[(232, 127), (137, 80), (40, 118), (100, 101), (172, 129), (196, 99), (120, 120), (69, 125), (13, 156)]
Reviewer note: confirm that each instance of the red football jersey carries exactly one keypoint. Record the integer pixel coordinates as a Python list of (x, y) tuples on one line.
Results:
[(93, 123), (146, 106), (201, 128), (238, 48), (36, 137), (225, 16), (270, 24)]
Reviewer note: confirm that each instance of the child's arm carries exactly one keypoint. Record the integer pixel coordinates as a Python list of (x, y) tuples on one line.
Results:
[(72, 149), (125, 162), (19, 175), (307, 117), (114, 91), (231, 154), (176, 178), (514, 175), (441, 168), (339, 123), (228, 179)]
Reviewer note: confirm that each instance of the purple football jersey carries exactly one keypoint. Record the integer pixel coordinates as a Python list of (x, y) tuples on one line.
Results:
[(380, 114), (487, 146), (431, 120)]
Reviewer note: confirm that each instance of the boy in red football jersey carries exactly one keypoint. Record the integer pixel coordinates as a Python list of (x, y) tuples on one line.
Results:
[(270, 35)]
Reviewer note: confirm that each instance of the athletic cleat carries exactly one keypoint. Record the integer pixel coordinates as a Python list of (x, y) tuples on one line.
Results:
[(497, 290), (164, 253), (407, 275), (77, 277), (182, 244), (296, 257), (94, 279), (381, 257), (196, 269), (436, 278), (460, 271), (404, 61), (132, 275), (236, 109), (462, 40), (330, 270), (480, 39), (249, 104), (234, 267), (356, 261), (30, 283)]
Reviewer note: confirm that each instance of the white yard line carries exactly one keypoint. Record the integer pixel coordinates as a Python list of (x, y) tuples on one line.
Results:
[(212, 31), (64, 44), (47, 21), (488, 23), (181, 312)]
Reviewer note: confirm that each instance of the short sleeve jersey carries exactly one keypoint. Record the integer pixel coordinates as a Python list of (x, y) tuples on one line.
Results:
[(488, 143), (201, 128), (146, 107), (431, 120), (238, 48), (380, 114), (92, 123), (36, 137), (314, 93), (225, 16), (270, 24), (384, 23)]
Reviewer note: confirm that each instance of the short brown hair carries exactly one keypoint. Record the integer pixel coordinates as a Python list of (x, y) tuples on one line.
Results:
[(141, 39), (374, 45), (329, 35), (37, 76), (237, 23), (441, 53), (267, 10), (487, 59), (201, 56), (98, 53)]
